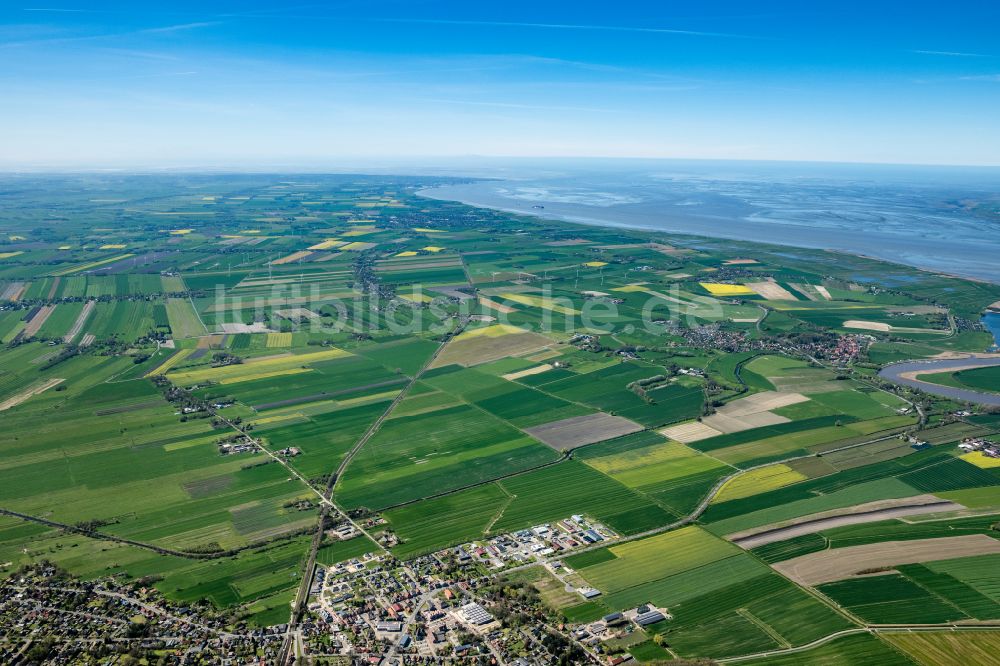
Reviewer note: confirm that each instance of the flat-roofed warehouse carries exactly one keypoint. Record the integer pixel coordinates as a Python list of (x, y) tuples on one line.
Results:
[(475, 614)]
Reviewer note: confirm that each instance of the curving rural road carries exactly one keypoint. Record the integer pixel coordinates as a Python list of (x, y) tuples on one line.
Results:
[(905, 373)]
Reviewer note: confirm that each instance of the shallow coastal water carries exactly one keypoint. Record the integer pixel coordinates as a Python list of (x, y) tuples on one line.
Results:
[(926, 219), (992, 322), (896, 371)]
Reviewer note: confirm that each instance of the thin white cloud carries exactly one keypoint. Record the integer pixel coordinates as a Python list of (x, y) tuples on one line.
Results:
[(992, 78), (167, 29), (177, 28), (60, 10), (565, 26), (514, 105), (952, 54)]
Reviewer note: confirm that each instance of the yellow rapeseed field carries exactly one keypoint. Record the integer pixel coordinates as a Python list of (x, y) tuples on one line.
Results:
[(979, 460), (327, 244), (540, 302), (278, 340), (720, 289), (267, 374), (170, 362), (293, 257), (256, 367), (758, 481)]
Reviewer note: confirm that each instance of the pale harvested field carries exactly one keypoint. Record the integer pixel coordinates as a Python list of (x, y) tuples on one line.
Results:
[(454, 292), (867, 325), (54, 288), (690, 432), (27, 393), (31, 328), (739, 262), (13, 291), (752, 411), (824, 292), (88, 340), (493, 305), (571, 241), (831, 565), (848, 511), (256, 327), (772, 291), (483, 348), (537, 370), (80, 321), (543, 355), (578, 431), (914, 506), (297, 313), (293, 257), (762, 402), (917, 309), (669, 250), (807, 289), (214, 341), (728, 424)]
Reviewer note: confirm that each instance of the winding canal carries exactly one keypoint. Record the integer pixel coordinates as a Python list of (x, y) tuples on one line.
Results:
[(905, 373)]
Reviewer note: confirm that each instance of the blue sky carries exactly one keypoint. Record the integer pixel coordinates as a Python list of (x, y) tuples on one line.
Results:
[(187, 83)]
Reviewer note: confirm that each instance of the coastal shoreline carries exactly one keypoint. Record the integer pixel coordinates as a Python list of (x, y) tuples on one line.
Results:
[(539, 211)]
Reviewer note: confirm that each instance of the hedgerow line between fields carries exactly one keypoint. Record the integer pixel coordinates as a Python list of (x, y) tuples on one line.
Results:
[(104, 536)]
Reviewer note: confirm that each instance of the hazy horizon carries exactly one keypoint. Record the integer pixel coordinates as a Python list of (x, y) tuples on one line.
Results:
[(471, 166), (252, 84)]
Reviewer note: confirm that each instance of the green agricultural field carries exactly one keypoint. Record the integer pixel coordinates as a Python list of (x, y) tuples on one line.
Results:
[(637, 561), (184, 321), (338, 551), (319, 325), (433, 452), (760, 613), (561, 490), (891, 599), (436, 523), (654, 467), (857, 494), (852, 649)]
